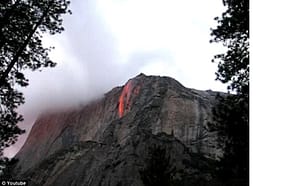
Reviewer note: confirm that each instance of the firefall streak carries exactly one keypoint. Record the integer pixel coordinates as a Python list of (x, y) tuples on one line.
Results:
[(124, 99)]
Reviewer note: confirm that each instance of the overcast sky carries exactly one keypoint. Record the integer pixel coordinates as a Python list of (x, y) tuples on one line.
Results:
[(106, 42)]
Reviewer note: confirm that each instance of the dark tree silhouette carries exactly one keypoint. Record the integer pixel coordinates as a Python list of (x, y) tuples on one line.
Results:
[(233, 32), (22, 24), (158, 169), (231, 115), (231, 120)]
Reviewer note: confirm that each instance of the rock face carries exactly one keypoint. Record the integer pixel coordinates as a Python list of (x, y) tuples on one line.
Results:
[(106, 142)]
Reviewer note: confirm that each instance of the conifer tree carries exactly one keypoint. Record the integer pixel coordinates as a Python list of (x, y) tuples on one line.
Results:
[(231, 115), (22, 25)]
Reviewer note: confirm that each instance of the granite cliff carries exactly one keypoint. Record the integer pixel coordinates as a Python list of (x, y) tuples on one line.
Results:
[(107, 141)]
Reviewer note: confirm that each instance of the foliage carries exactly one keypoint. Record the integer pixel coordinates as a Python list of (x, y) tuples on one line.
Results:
[(22, 24), (231, 115), (6, 166), (233, 32), (231, 120)]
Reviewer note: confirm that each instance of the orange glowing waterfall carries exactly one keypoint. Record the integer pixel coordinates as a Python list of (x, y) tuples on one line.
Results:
[(124, 99)]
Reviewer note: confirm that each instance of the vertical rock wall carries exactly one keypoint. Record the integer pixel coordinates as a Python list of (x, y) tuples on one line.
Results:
[(150, 103)]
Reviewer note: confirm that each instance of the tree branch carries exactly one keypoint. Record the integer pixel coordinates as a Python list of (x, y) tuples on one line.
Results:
[(21, 49)]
